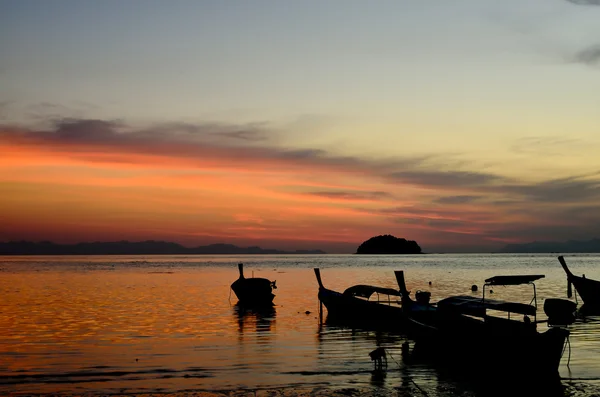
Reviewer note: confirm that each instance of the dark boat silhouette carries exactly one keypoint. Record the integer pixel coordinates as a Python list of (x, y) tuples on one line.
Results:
[(461, 330), (254, 291), (588, 289), (354, 306)]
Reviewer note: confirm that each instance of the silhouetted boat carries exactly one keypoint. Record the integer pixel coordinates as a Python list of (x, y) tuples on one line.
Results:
[(459, 329), (354, 306), (253, 291), (588, 289)]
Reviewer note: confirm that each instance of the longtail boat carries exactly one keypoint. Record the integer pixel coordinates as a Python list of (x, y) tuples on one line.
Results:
[(254, 291), (460, 329), (588, 289), (362, 306)]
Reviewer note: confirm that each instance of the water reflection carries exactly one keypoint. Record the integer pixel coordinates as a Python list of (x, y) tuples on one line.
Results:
[(414, 369), (255, 319), (66, 317), (345, 352)]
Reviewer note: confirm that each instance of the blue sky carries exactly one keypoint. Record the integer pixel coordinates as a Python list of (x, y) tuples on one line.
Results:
[(272, 59)]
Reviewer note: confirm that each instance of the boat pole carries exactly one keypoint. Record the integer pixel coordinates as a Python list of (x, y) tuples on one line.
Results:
[(320, 311), (318, 274)]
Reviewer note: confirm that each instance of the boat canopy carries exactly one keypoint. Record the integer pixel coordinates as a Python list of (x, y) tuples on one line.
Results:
[(513, 280), (477, 307), (366, 291)]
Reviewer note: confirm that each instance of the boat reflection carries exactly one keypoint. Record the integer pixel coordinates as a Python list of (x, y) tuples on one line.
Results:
[(255, 319), (413, 368), (332, 332)]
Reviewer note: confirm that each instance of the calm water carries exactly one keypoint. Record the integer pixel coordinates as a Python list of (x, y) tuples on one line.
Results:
[(170, 323)]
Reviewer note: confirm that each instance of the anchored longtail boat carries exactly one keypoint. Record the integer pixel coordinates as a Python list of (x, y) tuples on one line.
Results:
[(354, 307), (253, 291)]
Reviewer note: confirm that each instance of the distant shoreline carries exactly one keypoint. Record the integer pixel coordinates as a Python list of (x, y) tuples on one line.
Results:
[(296, 253), (14, 248), (156, 254), (45, 248)]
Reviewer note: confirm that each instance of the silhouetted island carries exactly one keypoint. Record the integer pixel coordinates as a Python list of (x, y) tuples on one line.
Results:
[(388, 245), (134, 248), (540, 247)]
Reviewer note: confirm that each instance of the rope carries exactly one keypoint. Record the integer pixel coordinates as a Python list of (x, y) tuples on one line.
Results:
[(569, 359), (409, 377), (565, 348)]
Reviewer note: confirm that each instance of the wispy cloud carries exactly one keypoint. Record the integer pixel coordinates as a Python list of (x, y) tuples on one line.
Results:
[(111, 140), (456, 199), (550, 30), (585, 2), (245, 135), (589, 56), (576, 189), (448, 178), (185, 141), (548, 145), (311, 188), (353, 196)]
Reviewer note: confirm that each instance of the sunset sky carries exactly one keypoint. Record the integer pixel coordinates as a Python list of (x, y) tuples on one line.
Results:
[(464, 125)]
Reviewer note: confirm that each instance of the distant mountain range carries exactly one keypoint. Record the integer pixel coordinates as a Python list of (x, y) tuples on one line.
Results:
[(134, 248), (571, 246)]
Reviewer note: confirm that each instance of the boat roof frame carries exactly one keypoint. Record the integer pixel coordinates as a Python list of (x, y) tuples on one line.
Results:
[(515, 280), (478, 307), (365, 291)]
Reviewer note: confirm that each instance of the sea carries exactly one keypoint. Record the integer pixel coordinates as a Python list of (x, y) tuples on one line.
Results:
[(127, 325)]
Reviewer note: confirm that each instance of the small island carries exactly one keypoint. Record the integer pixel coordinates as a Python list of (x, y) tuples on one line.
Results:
[(388, 245)]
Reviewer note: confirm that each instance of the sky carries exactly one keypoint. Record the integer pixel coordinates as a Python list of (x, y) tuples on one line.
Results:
[(462, 125)]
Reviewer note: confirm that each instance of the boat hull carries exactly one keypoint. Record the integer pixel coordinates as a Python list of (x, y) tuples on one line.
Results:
[(253, 291), (360, 313), (506, 347)]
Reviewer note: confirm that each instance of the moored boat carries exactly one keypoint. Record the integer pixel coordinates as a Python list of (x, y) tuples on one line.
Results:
[(461, 329), (362, 306), (587, 289), (254, 291)]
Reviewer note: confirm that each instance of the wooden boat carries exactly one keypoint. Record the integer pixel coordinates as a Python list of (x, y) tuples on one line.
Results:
[(460, 329), (355, 307), (588, 289), (254, 291)]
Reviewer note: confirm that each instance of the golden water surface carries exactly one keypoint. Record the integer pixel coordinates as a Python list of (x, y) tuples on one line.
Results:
[(168, 323)]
